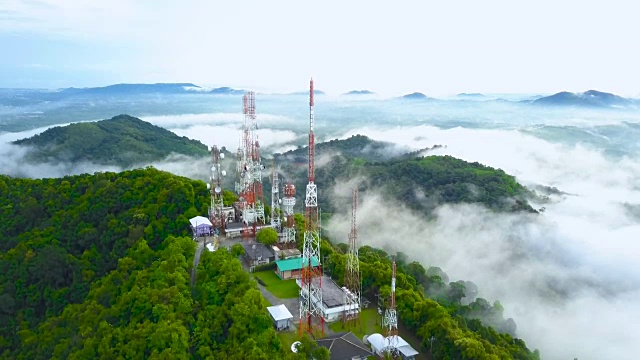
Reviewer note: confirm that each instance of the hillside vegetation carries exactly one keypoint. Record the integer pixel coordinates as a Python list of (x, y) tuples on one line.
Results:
[(97, 266), (420, 182), (122, 141)]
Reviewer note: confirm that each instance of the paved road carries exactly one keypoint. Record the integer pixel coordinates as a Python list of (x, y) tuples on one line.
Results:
[(196, 261)]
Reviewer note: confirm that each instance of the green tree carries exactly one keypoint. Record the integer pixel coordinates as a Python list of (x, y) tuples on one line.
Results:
[(237, 250), (267, 236)]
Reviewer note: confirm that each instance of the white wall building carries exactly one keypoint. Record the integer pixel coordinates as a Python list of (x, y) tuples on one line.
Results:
[(281, 316), (333, 296), (380, 344)]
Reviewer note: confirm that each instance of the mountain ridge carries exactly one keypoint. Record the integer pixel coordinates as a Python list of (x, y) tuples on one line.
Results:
[(123, 140)]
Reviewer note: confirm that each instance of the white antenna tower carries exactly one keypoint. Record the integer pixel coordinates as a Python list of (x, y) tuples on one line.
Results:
[(275, 200), (391, 317), (352, 275)]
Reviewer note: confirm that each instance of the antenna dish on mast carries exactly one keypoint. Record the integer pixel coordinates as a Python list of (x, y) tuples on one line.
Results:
[(221, 155), (218, 189)]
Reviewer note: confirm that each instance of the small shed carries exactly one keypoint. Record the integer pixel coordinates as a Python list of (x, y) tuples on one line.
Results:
[(281, 316), (201, 226)]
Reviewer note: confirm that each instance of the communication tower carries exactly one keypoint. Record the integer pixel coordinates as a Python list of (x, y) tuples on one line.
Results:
[(288, 203), (352, 273), (275, 199), (216, 213), (249, 168), (311, 280), (391, 316)]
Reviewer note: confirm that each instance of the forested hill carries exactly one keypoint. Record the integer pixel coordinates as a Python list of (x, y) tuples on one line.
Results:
[(97, 266), (122, 141), (408, 177), (358, 146)]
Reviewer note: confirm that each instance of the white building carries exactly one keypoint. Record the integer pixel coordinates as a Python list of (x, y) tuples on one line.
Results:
[(333, 299), (381, 344), (281, 316)]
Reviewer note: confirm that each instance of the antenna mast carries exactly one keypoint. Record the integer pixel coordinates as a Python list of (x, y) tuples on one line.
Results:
[(216, 214), (352, 277), (249, 186), (311, 280), (391, 317), (275, 198)]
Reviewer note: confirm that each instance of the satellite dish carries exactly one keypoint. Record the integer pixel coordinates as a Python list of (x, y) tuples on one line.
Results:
[(262, 167), (294, 346), (218, 189), (279, 201), (221, 155), (213, 168), (224, 173), (208, 148), (208, 186)]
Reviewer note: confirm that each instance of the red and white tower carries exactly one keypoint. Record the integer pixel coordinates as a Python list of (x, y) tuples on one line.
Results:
[(216, 214), (391, 317), (352, 273), (311, 280), (288, 203), (249, 167)]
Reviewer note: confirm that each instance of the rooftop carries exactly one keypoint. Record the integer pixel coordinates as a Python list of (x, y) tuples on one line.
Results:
[(344, 346), (379, 342), (293, 264), (199, 220), (332, 294), (279, 312), (256, 250)]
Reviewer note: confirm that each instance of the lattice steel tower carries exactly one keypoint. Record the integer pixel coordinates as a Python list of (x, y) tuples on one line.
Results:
[(391, 316), (249, 168), (352, 273), (216, 214), (275, 199), (311, 280), (288, 203)]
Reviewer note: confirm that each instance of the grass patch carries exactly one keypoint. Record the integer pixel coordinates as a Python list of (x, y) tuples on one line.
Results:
[(287, 338), (282, 289), (365, 326)]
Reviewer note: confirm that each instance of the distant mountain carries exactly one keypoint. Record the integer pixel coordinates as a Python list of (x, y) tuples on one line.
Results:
[(471, 95), (415, 96), (226, 91), (132, 89), (591, 98), (122, 140), (359, 92)]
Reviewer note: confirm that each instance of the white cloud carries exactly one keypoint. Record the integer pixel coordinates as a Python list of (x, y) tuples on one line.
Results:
[(570, 277)]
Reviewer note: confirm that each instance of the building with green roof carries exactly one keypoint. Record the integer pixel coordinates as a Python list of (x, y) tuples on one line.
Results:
[(291, 268)]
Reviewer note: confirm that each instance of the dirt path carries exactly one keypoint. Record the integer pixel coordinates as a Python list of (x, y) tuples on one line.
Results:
[(196, 261)]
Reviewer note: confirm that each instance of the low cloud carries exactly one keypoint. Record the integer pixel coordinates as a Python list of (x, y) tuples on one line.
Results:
[(570, 276)]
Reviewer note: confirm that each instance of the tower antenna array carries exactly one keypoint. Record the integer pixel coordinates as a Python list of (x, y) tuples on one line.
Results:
[(391, 316), (249, 168), (352, 273), (216, 214), (275, 199), (311, 280)]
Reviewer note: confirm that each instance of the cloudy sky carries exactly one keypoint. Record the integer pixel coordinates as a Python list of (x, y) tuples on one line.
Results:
[(392, 48)]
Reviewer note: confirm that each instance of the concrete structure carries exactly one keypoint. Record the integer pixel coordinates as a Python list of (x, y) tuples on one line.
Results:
[(381, 344), (286, 253), (281, 316), (256, 253), (200, 226), (345, 346), (333, 305), (290, 268)]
